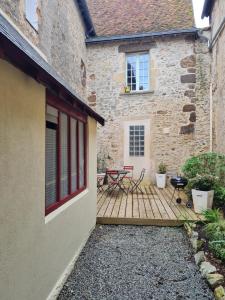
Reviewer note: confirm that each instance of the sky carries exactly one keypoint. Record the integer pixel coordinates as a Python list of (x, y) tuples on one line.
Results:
[(198, 5)]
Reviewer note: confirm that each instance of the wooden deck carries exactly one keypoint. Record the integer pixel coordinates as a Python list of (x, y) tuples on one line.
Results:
[(153, 207)]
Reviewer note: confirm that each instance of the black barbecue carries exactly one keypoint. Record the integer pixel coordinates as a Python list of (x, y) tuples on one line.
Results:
[(179, 183)]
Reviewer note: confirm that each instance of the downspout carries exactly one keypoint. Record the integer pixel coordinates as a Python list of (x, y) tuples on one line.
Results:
[(216, 36), (211, 118)]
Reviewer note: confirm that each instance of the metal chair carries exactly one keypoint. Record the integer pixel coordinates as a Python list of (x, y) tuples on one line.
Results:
[(136, 183), (100, 182), (129, 176)]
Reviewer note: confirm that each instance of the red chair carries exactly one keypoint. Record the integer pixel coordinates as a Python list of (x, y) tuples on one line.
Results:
[(129, 176), (136, 183), (113, 179)]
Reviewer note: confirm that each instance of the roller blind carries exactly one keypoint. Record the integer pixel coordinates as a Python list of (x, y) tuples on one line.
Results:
[(50, 164)]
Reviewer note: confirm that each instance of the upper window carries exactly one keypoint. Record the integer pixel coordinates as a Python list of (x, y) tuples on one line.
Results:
[(65, 165), (136, 140), (31, 13), (138, 71)]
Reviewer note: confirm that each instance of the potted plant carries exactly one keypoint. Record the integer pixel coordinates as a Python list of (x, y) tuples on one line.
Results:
[(161, 176), (202, 188)]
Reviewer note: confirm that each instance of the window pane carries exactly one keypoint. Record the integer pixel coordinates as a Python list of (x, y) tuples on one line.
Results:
[(73, 132), (64, 155), (81, 154), (50, 164)]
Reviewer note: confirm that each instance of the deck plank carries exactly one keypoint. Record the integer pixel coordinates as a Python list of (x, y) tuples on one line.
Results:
[(123, 205), (168, 209)]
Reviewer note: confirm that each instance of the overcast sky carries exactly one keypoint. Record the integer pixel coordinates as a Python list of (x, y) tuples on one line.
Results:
[(198, 5)]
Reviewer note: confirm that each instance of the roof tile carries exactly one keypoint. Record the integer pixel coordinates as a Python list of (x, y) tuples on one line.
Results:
[(117, 17)]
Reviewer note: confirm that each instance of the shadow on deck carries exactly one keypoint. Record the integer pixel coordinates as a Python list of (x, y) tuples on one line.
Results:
[(153, 207)]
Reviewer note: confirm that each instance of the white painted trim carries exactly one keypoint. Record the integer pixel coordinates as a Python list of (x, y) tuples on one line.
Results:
[(62, 279), (138, 54), (22, 34)]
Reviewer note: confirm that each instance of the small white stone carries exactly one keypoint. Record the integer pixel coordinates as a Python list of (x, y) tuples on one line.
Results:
[(207, 268), (199, 257)]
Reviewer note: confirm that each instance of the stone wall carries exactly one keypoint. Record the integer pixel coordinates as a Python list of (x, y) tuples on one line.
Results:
[(60, 37), (218, 78), (177, 104)]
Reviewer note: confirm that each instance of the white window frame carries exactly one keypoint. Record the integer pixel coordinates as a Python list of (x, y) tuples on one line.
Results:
[(141, 153), (31, 13), (138, 54)]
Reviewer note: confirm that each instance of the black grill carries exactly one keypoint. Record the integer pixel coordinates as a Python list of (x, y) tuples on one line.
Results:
[(179, 182)]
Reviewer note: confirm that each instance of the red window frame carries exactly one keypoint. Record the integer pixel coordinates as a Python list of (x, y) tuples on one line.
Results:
[(71, 112)]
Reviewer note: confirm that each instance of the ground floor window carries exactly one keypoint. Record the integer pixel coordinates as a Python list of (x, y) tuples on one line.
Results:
[(136, 140), (65, 160)]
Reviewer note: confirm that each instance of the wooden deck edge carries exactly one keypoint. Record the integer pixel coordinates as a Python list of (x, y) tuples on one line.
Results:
[(138, 221)]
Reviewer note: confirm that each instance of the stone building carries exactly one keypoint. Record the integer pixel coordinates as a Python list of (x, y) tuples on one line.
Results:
[(216, 11), (148, 74)]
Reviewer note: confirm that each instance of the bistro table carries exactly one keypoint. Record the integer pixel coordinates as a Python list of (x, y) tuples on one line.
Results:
[(116, 178)]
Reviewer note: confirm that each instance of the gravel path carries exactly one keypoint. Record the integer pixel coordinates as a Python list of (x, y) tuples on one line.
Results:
[(136, 262)]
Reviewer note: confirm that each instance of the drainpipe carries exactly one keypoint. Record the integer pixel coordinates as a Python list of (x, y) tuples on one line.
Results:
[(216, 36), (211, 118)]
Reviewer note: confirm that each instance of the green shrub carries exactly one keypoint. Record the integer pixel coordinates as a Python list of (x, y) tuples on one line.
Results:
[(215, 231), (218, 249), (219, 196), (212, 215), (202, 182), (212, 164), (208, 163)]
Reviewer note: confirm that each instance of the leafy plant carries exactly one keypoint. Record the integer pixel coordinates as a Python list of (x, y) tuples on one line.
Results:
[(202, 182), (162, 168), (219, 196), (212, 215), (208, 163), (218, 249), (216, 230)]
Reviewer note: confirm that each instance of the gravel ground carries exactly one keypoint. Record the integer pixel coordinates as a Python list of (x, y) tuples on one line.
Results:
[(136, 262)]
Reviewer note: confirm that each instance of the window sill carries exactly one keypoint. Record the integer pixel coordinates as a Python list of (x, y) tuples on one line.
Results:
[(137, 93), (65, 205)]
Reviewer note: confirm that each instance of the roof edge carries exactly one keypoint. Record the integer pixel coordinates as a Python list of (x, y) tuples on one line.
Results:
[(137, 36), (90, 30), (17, 50), (207, 8)]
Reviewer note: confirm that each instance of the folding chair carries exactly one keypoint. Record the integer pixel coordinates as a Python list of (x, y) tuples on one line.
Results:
[(100, 182), (113, 179), (136, 183), (129, 176)]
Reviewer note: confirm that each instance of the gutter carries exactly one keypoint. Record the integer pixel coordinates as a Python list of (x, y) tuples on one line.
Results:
[(114, 38), (90, 30), (217, 34)]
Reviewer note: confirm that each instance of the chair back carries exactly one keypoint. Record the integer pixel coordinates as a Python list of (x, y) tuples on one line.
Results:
[(142, 175), (129, 168), (113, 175)]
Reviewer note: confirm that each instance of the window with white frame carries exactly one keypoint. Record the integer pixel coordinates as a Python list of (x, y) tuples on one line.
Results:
[(31, 12), (138, 71), (136, 140)]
